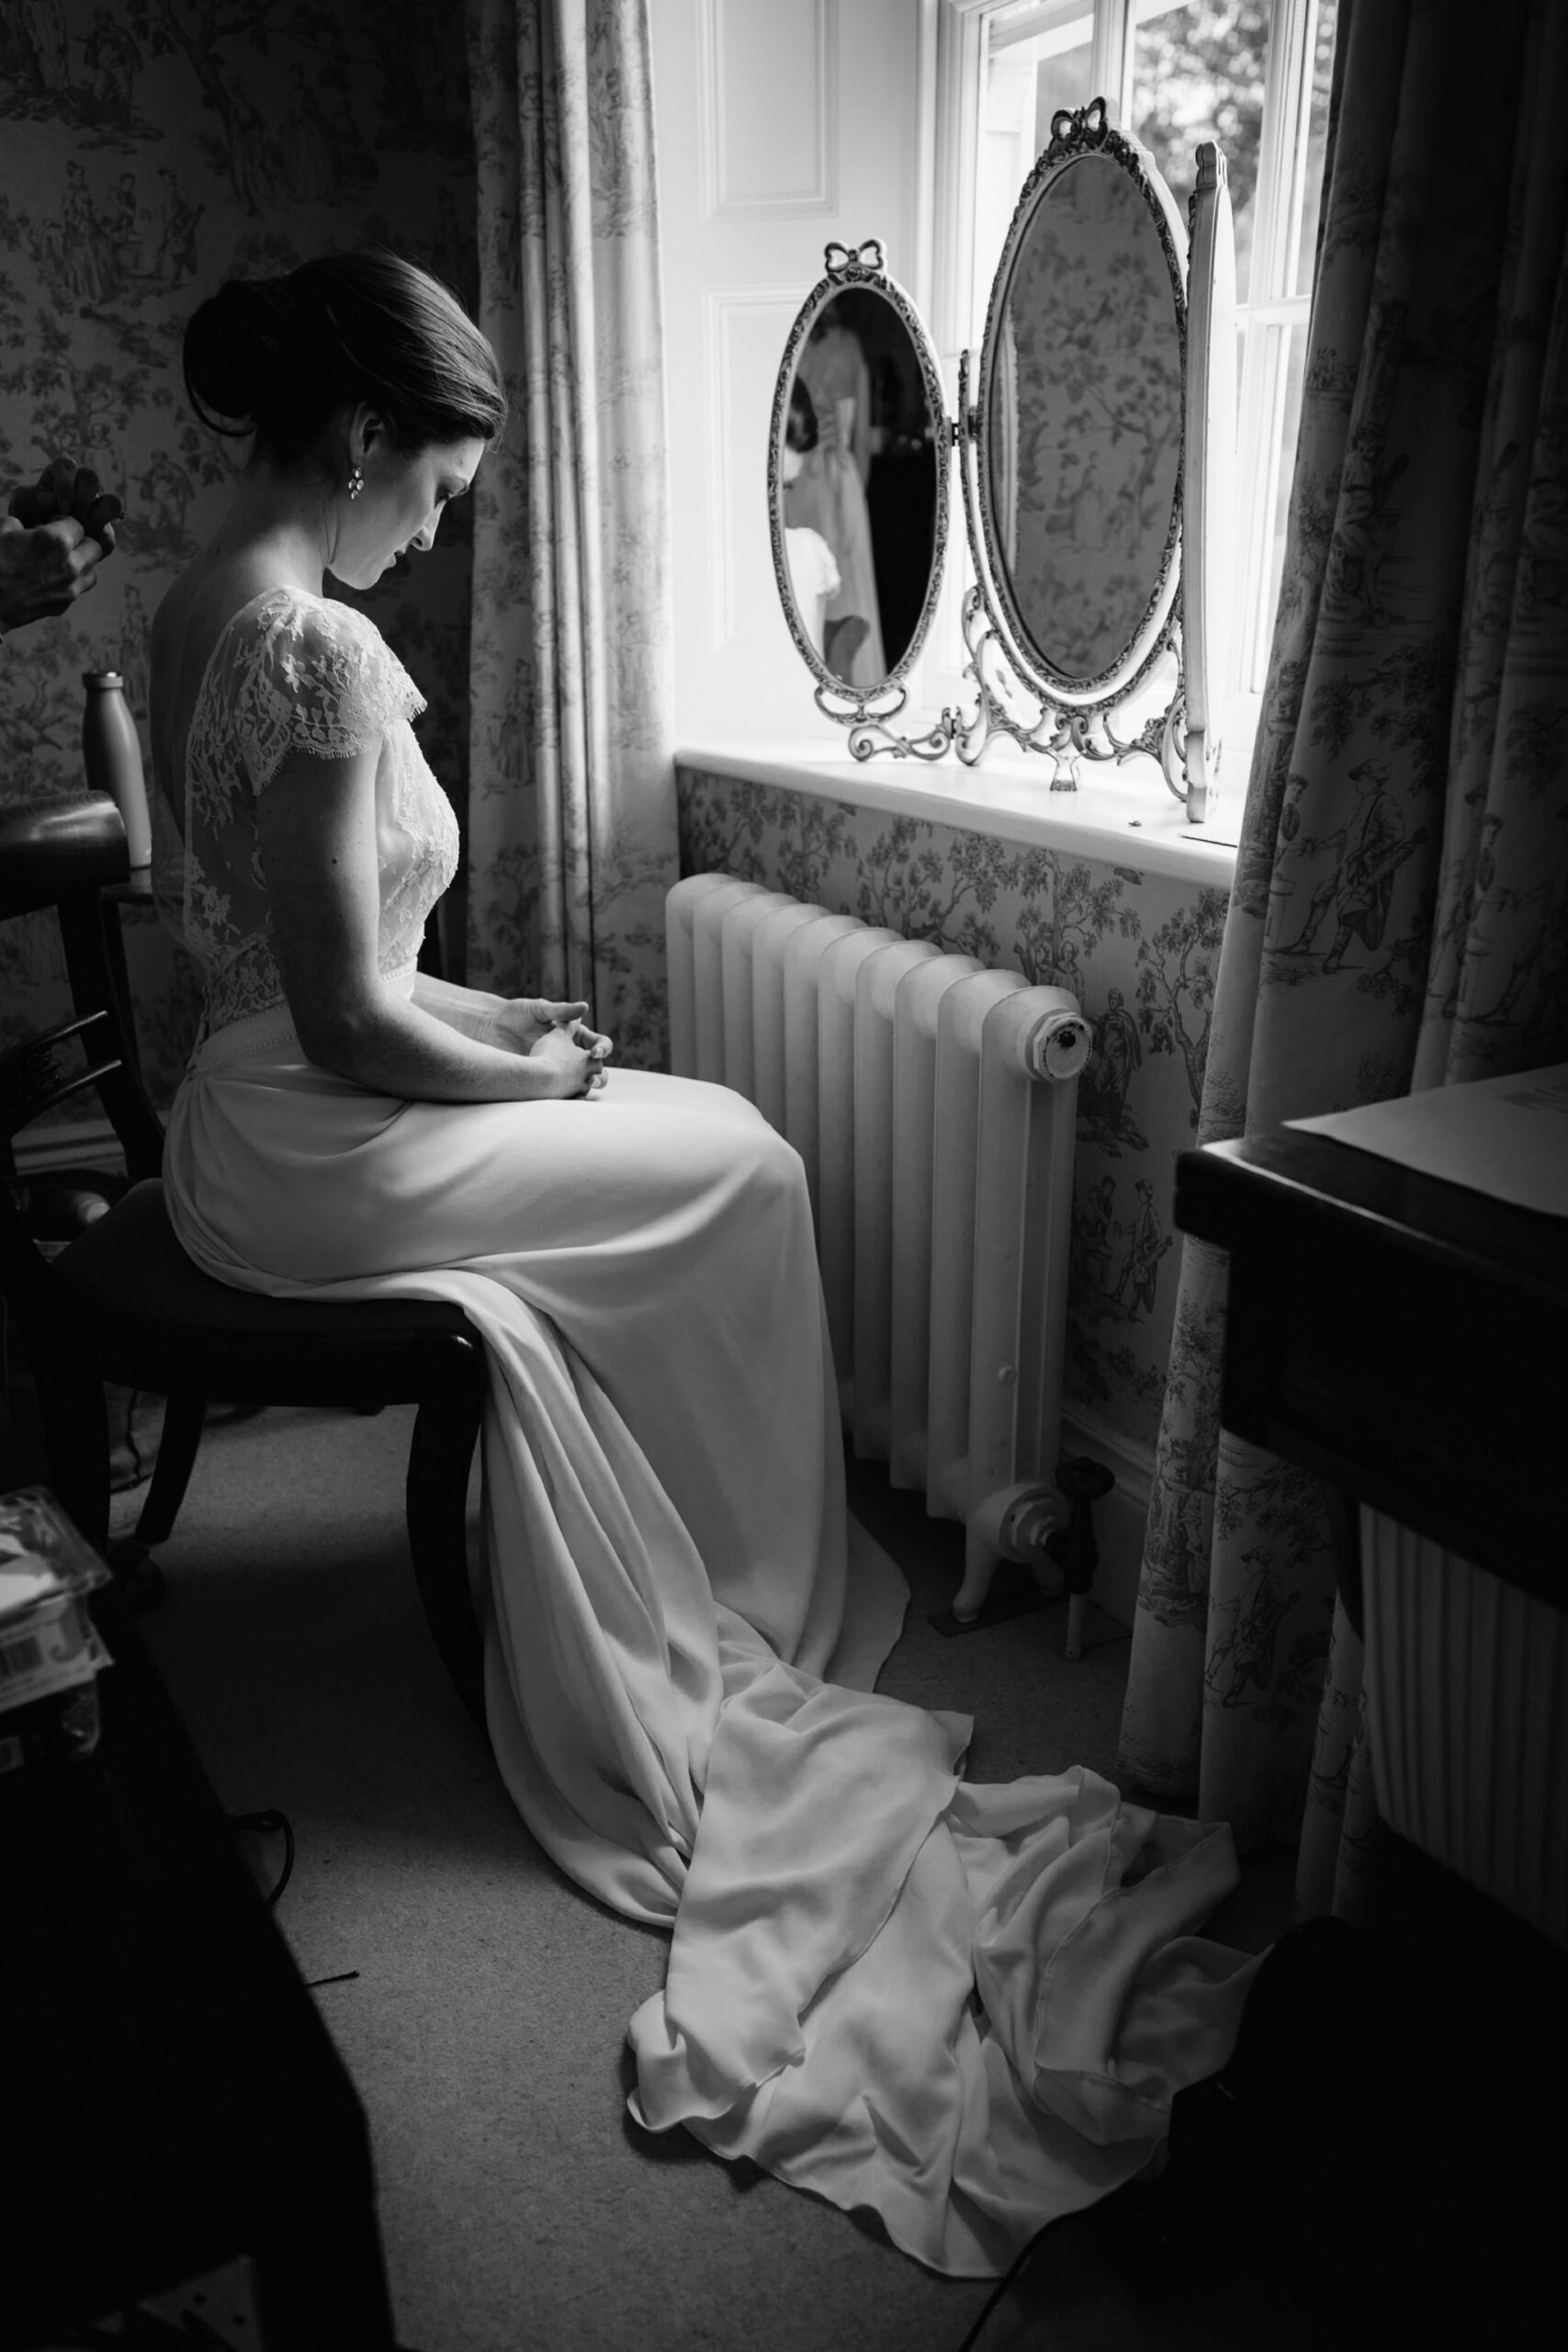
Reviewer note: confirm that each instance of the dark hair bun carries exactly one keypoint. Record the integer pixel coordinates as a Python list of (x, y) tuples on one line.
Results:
[(280, 356), (239, 352)]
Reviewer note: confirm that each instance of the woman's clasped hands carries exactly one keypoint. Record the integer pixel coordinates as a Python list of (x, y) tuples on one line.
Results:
[(557, 1034)]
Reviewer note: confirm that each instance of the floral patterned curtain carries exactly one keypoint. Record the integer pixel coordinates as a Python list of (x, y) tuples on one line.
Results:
[(1400, 914), (572, 832)]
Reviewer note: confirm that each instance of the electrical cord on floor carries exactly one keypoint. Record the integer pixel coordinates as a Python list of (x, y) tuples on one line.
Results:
[(1008, 2279), (270, 1824), (1313, 2260), (266, 1824)]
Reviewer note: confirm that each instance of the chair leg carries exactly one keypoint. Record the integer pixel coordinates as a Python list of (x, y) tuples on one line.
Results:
[(76, 1448), (170, 1472), (445, 1431)]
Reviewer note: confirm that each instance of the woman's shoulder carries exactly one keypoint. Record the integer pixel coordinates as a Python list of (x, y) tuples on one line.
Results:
[(300, 642), (288, 618), (228, 631), (316, 670)]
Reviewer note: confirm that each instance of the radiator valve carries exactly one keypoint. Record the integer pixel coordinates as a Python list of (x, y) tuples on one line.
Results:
[(1057, 1046)]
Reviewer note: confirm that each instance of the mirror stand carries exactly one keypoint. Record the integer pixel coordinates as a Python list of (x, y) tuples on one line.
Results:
[(867, 740), (1062, 732), (870, 734), (1065, 736)]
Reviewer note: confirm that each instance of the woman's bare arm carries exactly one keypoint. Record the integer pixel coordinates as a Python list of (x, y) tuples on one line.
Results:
[(516, 1024), (467, 1010), (316, 827)]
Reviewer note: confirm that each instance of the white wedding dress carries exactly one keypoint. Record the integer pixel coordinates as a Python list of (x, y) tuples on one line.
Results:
[(681, 1629)]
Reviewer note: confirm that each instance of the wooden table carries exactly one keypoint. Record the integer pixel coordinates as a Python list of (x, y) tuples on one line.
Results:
[(1408, 1340), (172, 2097), (1405, 1337)]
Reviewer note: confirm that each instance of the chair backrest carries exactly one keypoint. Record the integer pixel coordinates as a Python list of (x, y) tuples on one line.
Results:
[(41, 1073), (47, 854), (60, 859)]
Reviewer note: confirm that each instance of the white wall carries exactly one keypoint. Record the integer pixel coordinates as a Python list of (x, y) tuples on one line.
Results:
[(780, 125)]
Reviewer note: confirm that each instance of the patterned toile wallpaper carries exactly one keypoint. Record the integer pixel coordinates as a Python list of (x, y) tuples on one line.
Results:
[(148, 150), (1139, 951)]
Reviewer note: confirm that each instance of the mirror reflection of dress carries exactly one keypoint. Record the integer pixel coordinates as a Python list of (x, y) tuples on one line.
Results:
[(833, 368), (813, 577)]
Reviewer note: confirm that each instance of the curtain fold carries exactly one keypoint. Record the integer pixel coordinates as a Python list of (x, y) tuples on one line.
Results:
[(1400, 914), (571, 833)]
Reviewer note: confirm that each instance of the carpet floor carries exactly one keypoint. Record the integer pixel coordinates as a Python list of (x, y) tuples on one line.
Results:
[(485, 2026)]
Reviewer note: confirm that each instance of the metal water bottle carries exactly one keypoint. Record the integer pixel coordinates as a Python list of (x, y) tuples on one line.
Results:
[(112, 756)]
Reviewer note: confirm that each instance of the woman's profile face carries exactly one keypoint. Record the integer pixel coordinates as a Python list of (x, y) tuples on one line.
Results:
[(399, 507)]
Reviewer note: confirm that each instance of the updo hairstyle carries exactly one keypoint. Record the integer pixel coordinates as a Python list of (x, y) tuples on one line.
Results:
[(279, 356)]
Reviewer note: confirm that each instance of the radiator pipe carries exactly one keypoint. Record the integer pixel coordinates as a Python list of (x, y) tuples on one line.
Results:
[(1033, 1523)]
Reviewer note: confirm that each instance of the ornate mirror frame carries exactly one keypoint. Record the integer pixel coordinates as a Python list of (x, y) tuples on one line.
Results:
[(1019, 694), (1074, 137), (866, 711), (1187, 616)]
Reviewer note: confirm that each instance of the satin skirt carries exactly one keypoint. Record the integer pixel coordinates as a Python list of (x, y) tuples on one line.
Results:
[(966, 2008)]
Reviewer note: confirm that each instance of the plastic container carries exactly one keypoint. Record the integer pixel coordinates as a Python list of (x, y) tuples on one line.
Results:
[(111, 753), (51, 1651)]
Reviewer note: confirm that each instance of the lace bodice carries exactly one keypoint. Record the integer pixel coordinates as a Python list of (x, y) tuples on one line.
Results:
[(292, 673)]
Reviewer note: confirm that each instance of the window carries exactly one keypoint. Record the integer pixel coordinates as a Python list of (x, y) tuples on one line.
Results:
[(1254, 76)]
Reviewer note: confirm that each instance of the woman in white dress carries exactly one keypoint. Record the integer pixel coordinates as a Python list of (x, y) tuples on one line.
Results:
[(832, 368), (682, 1628), (813, 574)]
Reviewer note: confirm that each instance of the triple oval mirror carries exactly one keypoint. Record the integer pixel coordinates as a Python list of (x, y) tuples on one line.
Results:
[(1094, 448)]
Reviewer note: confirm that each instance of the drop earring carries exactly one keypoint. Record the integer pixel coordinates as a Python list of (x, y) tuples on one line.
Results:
[(356, 482)]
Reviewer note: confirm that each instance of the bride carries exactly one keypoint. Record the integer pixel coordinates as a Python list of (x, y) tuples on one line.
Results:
[(682, 1629)]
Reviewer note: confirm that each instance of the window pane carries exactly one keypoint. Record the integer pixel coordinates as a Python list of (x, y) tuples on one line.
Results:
[(1037, 60), (1289, 425), (1317, 140), (1197, 70)]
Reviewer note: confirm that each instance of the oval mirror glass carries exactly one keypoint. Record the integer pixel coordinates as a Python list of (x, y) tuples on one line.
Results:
[(858, 482), (1082, 422)]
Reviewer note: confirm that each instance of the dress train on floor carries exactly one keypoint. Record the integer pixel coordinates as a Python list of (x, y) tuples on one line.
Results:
[(968, 2007)]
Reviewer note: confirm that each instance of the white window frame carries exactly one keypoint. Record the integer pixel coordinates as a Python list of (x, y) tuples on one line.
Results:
[(953, 42)]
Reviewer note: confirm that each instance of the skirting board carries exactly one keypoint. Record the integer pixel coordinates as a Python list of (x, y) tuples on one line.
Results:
[(1121, 1518)]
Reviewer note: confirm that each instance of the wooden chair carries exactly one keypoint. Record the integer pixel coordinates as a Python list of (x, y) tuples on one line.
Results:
[(123, 1303)]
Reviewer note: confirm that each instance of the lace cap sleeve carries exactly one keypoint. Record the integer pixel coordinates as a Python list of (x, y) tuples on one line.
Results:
[(315, 676)]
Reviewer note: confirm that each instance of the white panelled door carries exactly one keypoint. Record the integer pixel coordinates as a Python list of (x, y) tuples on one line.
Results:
[(780, 125)]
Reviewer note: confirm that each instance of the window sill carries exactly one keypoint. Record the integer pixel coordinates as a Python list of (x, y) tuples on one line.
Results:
[(1124, 817)]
